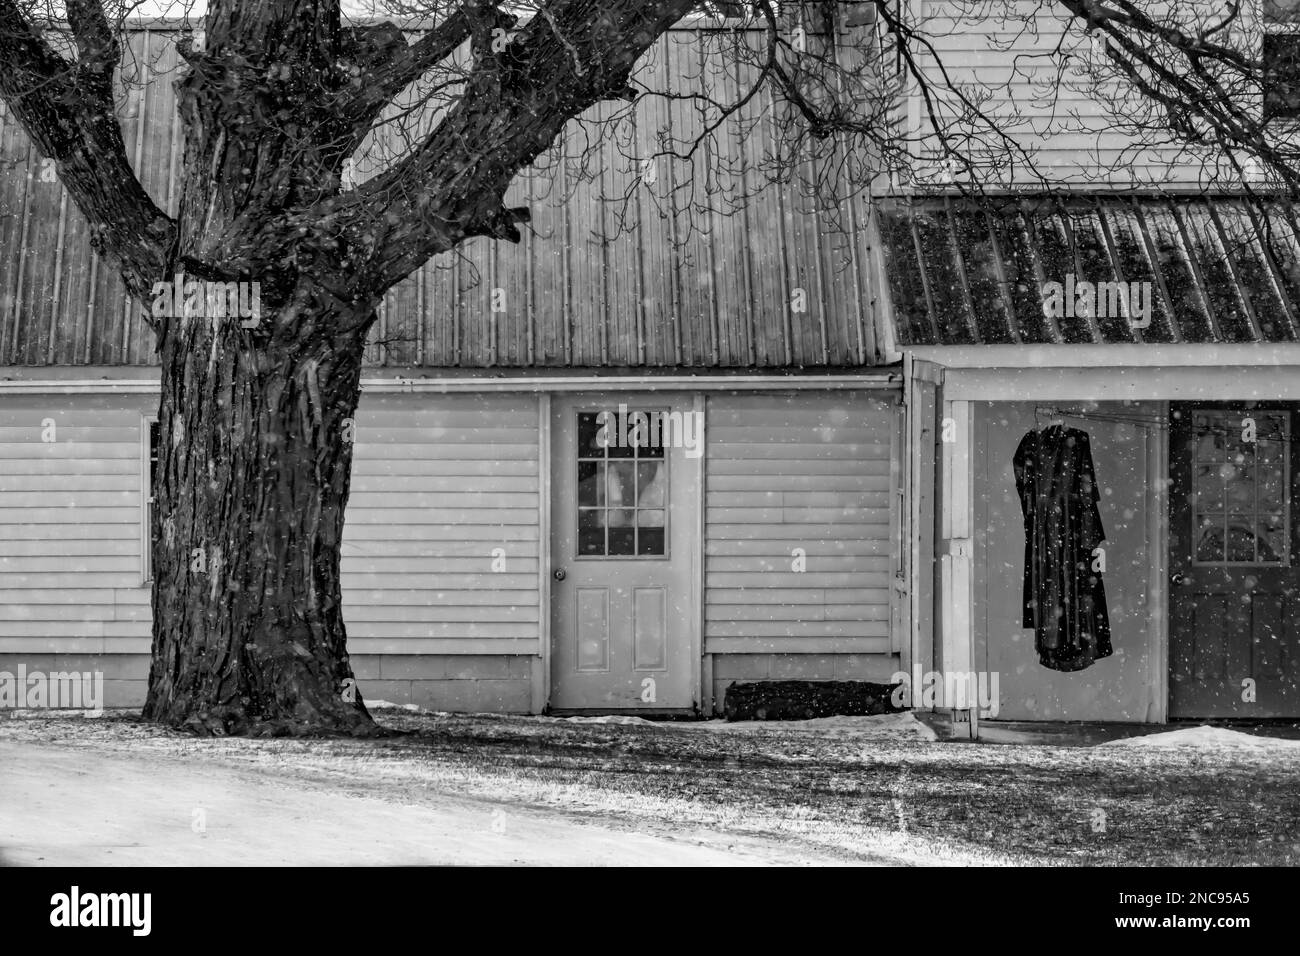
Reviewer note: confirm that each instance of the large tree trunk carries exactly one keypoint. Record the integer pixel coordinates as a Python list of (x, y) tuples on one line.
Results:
[(255, 463), (248, 633)]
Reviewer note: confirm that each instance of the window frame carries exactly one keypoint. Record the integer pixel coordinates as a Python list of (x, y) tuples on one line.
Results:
[(636, 460), (1287, 478), (148, 424), (1272, 27)]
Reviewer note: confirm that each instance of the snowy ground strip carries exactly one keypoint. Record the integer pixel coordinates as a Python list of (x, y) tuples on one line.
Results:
[(848, 790)]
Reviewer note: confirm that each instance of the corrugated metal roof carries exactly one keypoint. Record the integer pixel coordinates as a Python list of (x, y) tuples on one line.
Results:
[(593, 284), (1215, 268)]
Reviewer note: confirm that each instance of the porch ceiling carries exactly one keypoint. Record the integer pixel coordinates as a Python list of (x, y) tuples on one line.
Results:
[(969, 272)]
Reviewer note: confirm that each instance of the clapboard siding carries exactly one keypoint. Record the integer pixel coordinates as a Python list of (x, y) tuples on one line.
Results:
[(798, 471), (1024, 63), (439, 483), (431, 506), (70, 513)]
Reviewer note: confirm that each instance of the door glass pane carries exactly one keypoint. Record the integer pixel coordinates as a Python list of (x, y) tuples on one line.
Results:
[(622, 484), (1272, 538), (1241, 539), (1240, 476), (649, 541), (1270, 486), (650, 485), (1209, 446), (591, 432), (1209, 538), (621, 541), (590, 481), (591, 531), (621, 490), (1239, 483), (1209, 486)]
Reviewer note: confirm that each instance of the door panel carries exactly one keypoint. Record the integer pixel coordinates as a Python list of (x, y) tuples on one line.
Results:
[(648, 628), (593, 629), (1118, 687), (623, 543), (1234, 598)]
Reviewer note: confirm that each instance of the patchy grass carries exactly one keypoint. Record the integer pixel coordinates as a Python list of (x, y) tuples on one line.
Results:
[(877, 797)]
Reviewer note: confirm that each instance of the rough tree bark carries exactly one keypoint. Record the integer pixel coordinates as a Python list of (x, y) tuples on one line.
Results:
[(249, 502), (253, 478)]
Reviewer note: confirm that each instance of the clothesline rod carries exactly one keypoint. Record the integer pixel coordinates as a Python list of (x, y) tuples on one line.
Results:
[(1048, 411)]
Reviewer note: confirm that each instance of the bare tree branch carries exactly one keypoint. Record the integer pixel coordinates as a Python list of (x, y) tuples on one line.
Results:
[(389, 64), (67, 109), (514, 106)]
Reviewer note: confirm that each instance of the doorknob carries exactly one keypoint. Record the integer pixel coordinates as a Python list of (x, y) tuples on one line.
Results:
[(560, 574), (1179, 578)]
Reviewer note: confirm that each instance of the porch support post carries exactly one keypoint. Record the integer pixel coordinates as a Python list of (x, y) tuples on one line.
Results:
[(920, 481), (956, 592)]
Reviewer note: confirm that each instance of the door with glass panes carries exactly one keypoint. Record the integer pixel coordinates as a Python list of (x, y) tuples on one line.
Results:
[(1234, 595), (623, 551)]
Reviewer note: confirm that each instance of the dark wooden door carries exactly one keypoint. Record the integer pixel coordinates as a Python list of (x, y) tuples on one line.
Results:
[(1234, 562)]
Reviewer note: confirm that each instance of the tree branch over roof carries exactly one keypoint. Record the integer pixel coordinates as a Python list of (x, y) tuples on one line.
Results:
[(1200, 82), (516, 102), (389, 64), (67, 109)]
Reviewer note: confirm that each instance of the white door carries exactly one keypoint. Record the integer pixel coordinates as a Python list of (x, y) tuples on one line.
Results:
[(624, 538)]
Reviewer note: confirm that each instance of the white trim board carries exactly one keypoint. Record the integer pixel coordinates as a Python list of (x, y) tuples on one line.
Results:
[(400, 646), (891, 379), (1124, 383), (541, 665), (638, 383), (797, 645), (146, 494), (699, 563), (1130, 355)]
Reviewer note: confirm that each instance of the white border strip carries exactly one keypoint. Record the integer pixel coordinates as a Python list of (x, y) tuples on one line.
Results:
[(890, 379), (1192, 355)]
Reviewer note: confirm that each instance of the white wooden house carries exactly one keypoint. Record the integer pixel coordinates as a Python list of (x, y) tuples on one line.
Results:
[(1190, 404), (850, 511), (483, 568)]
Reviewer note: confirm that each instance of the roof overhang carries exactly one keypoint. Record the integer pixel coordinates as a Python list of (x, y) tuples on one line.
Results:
[(1090, 269), (1117, 373)]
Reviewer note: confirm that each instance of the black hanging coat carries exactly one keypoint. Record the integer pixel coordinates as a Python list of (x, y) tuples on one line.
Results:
[(1064, 599)]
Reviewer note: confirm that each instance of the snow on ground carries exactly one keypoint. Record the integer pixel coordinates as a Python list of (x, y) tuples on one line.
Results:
[(64, 807), (1205, 738), (902, 726), (458, 788), (373, 705)]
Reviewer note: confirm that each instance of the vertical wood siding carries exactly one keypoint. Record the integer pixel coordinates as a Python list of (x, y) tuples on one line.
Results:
[(595, 283), (797, 471)]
